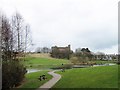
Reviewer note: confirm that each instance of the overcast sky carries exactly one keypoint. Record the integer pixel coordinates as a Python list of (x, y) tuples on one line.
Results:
[(80, 23)]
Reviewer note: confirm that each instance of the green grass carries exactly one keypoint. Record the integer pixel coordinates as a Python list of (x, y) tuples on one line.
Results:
[(119, 76), (31, 80), (94, 77), (37, 62)]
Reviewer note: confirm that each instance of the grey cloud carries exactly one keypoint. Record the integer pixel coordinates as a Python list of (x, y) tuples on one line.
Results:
[(81, 23)]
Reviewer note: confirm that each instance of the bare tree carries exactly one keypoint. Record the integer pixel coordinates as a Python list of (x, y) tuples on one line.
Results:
[(16, 25), (14, 36), (100, 55), (28, 40), (22, 33), (6, 39), (0, 53)]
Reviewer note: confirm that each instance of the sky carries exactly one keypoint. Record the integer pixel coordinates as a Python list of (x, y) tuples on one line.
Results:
[(80, 23)]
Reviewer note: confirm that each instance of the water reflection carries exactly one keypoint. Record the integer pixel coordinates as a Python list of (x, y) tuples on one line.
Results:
[(36, 70), (107, 64), (32, 70)]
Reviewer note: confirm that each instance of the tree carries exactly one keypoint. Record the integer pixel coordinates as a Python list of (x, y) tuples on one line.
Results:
[(6, 39), (83, 54), (100, 55), (38, 50), (13, 40), (45, 50), (78, 50), (21, 33), (0, 52), (118, 58)]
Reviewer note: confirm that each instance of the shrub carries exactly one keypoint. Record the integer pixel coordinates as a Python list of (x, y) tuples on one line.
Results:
[(74, 60), (68, 66), (12, 74)]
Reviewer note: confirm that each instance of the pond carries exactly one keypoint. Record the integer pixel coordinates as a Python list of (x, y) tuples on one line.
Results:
[(32, 70), (75, 66), (107, 64), (36, 70), (84, 66)]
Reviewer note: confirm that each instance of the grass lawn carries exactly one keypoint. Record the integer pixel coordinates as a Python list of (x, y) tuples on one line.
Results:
[(31, 80), (119, 77), (94, 77), (38, 62)]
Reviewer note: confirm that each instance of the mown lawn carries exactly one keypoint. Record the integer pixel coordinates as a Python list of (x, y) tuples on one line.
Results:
[(37, 62), (119, 77), (31, 80), (94, 77)]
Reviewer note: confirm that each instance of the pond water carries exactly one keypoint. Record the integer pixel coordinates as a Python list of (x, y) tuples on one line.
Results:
[(32, 70), (36, 70), (75, 66), (84, 66), (107, 64)]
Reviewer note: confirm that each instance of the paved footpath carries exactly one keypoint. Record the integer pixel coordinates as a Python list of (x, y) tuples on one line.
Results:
[(51, 82)]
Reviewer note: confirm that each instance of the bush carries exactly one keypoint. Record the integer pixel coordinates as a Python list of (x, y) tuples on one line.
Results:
[(74, 60), (12, 74), (79, 60), (68, 66)]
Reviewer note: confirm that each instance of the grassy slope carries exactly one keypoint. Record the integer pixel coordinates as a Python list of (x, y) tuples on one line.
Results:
[(38, 62), (45, 61), (31, 80), (94, 77)]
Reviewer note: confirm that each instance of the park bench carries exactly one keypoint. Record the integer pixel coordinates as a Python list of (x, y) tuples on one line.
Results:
[(63, 69), (42, 77)]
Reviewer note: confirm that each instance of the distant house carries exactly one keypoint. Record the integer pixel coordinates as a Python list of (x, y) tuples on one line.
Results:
[(61, 52)]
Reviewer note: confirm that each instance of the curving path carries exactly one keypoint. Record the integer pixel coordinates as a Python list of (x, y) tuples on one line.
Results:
[(51, 82)]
